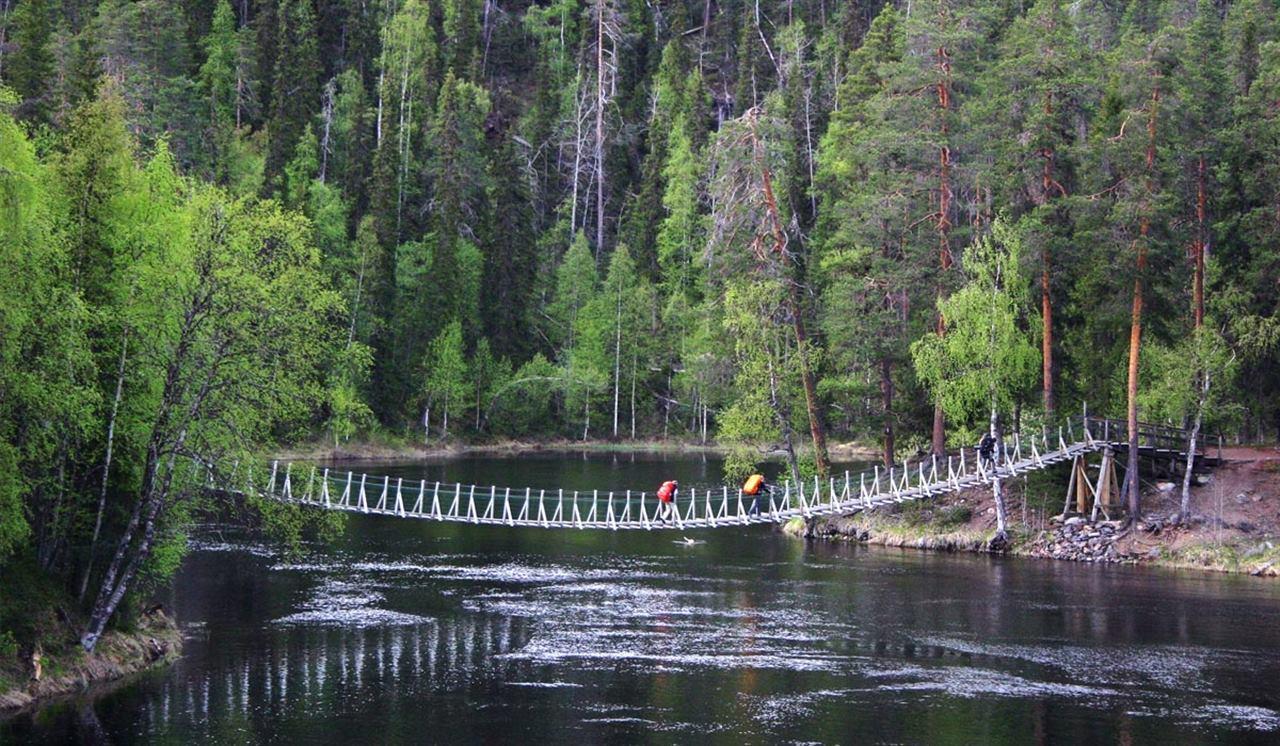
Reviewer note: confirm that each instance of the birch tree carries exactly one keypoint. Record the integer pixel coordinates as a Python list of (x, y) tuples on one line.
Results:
[(984, 359)]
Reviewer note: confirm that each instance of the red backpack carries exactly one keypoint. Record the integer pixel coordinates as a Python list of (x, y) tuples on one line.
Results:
[(667, 491)]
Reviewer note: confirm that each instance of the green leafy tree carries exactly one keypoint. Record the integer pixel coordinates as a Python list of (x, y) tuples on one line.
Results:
[(761, 411), (1186, 381), (611, 328), (489, 374), (985, 359), (237, 353), (447, 386), (47, 396), (525, 405)]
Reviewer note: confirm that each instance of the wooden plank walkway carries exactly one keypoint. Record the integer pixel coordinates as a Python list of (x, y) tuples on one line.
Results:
[(707, 508)]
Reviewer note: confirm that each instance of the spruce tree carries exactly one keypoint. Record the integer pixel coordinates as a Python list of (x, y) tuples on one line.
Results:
[(295, 87), (29, 67)]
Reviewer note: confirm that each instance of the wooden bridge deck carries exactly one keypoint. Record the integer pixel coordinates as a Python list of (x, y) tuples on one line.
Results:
[(714, 507)]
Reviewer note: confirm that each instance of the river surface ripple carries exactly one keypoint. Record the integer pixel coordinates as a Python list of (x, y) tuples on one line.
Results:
[(411, 631)]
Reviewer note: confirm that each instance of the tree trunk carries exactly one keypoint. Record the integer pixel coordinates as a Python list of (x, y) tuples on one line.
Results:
[(1184, 509), (1046, 344), (1197, 291), (1135, 336), (943, 222), (1047, 186), (784, 423), (997, 491), (150, 500), (377, 141), (106, 467), (330, 90), (617, 363), (600, 71), (1135, 329), (886, 398)]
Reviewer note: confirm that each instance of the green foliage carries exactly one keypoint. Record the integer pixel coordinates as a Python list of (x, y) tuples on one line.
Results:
[(984, 359), (437, 169), (447, 386), (525, 405), (680, 232), (1175, 389), (348, 412), (8, 645), (739, 463)]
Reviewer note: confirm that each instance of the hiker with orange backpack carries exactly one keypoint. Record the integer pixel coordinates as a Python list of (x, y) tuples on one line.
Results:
[(667, 499), (756, 486)]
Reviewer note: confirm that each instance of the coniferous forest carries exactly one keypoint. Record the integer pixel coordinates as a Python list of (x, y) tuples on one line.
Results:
[(233, 224)]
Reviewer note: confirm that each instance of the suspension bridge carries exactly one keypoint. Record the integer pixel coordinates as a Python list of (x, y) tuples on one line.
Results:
[(714, 507)]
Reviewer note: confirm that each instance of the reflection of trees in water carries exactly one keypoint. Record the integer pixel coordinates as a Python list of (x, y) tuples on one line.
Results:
[(332, 669)]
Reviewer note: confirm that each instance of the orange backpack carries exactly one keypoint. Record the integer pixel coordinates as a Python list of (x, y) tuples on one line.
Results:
[(753, 485)]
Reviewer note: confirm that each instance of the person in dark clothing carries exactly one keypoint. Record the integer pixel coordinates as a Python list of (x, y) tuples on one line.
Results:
[(986, 450)]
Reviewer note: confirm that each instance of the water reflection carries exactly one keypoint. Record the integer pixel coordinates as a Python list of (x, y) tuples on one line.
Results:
[(411, 632), (329, 669)]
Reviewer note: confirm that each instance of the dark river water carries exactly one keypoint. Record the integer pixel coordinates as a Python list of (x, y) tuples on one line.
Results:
[(419, 632)]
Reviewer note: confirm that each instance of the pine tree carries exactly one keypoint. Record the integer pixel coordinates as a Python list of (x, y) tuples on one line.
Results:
[(29, 67), (301, 169), (1036, 94), (510, 260), (461, 41), (869, 267), (1200, 83), (680, 232), (295, 87), (459, 176)]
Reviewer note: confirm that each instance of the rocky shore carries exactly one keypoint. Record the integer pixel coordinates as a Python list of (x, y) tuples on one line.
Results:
[(1234, 525)]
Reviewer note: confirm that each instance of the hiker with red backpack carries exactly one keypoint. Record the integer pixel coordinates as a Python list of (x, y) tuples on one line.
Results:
[(667, 499)]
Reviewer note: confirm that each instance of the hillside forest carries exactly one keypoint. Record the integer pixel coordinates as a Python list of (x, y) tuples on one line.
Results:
[(765, 223)]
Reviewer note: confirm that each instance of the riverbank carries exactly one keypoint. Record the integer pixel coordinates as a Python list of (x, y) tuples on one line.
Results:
[(393, 450), (1234, 526), (40, 654), (70, 670)]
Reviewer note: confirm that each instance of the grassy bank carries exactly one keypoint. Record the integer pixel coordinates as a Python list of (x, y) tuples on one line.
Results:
[(40, 655)]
